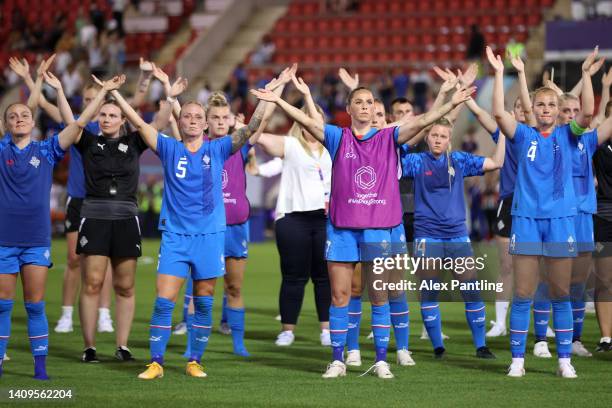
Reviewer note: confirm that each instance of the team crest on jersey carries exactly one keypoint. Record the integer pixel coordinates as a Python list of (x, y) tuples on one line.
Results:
[(580, 146), (123, 147), (451, 171), (206, 161), (35, 161)]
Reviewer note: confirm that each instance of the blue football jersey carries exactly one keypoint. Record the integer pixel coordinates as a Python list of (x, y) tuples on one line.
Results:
[(544, 186), (438, 192), (26, 176), (507, 174), (583, 149), (193, 199)]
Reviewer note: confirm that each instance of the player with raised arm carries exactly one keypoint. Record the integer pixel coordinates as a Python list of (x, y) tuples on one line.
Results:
[(364, 210), (543, 210), (192, 223), (25, 232)]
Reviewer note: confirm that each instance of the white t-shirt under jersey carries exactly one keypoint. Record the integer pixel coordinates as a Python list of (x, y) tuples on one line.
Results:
[(305, 179)]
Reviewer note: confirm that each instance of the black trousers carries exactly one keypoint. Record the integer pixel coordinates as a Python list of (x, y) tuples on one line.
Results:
[(300, 238)]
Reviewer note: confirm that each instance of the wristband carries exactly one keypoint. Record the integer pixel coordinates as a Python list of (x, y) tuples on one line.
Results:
[(576, 129)]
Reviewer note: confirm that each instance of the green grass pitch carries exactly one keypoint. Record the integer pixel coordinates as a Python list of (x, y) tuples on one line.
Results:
[(291, 376)]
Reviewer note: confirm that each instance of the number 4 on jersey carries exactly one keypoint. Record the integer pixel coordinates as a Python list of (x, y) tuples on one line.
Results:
[(531, 153)]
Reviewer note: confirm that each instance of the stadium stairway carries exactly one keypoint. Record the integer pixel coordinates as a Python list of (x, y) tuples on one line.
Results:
[(217, 63)]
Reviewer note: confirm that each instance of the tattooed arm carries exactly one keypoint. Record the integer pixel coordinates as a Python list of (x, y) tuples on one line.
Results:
[(242, 135)]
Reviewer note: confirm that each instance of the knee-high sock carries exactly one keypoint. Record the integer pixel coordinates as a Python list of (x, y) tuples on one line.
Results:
[(338, 327), (578, 307), (562, 322), (501, 312), (519, 326), (187, 298), (202, 325), (6, 309), (160, 328), (354, 316), (224, 310), (189, 323), (381, 327), (475, 315), (541, 311), (400, 321), (38, 328), (235, 319), (430, 312), (38, 331)]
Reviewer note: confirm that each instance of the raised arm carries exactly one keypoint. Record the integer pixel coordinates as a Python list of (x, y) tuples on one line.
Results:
[(313, 126), (496, 161), (579, 87), (410, 129), (311, 108), (518, 64), (585, 116), (62, 102), (165, 110), (277, 85), (147, 132), (242, 135), (506, 122), (144, 80), (348, 81), (482, 116), (22, 69), (606, 81), (72, 133), (160, 75), (35, 92)]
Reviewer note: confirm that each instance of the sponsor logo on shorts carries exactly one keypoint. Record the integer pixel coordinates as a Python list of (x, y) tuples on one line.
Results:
[(500, 225), (402, 238), (83, 241), (68, 223), (599, 247), (35, 162), (513, 242), (244, 243), (327, 247), (47, 254)]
